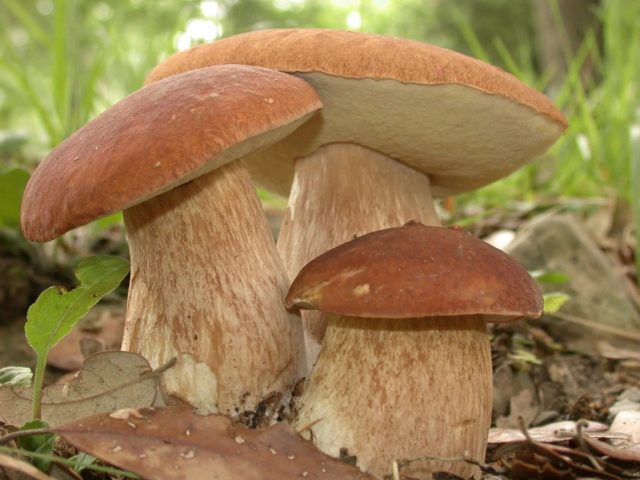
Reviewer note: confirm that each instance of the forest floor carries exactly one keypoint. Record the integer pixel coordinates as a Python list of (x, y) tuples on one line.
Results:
[(539, 379)]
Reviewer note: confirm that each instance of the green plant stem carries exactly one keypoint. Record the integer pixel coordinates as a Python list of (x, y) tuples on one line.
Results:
[(38, 380), (24, 433), (66, 461)]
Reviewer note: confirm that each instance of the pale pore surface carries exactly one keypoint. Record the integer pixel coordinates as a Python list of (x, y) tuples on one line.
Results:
[(207, 286), (389, 390), (461, 137), (340, 192)]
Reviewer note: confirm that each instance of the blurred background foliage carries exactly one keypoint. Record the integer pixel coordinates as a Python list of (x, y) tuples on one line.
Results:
[(64, 61)]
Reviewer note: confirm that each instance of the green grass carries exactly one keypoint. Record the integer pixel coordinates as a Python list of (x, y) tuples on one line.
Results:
[(594, 156)]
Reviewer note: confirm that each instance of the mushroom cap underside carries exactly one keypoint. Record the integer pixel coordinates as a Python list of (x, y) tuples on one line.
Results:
[(417, 271), (159, 137), (463, 122)]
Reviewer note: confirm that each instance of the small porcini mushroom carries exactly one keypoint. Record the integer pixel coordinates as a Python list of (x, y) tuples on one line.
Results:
[(206, 280), (405, 366), (402, 121)]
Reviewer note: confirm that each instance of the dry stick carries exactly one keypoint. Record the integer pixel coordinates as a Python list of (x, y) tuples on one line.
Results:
[(580, 424), (165, 366), (552, 452), (462, 458), (309, 425)]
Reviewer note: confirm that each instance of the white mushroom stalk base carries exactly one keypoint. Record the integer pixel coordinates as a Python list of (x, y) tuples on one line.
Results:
[(340, 192), (207, 287), (389, 390)]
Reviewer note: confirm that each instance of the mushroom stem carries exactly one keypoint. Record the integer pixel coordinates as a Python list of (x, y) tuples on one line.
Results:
[(340, 192), (207, 286), (402, 389)]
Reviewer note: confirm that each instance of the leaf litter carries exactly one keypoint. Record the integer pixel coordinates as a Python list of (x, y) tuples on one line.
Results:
[(109, 381), (175, 443)]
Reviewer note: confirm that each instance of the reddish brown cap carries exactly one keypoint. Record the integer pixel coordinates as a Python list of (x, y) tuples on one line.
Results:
[(462, 121), (158, 138), (417, 271)]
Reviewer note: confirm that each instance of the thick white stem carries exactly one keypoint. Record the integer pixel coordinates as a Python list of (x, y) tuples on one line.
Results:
[(207, 286), (401, 389), (340, 192)]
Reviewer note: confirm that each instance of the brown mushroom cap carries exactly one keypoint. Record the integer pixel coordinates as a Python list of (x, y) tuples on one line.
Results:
[(463, 122), (159, 137), (417, 271)]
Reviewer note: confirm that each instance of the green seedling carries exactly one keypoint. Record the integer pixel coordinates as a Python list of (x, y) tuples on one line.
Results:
[(57, 310), (38, 443)]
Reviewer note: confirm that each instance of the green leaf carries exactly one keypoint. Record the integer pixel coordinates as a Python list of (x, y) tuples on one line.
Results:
[(12, 183), (554, 301), (56, 311), (107, 222), (40, 443), (549, 277), (82, 461), (525, 356), (17, 376)]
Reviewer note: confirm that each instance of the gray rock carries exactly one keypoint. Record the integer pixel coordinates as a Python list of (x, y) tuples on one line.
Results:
[(598, 291)]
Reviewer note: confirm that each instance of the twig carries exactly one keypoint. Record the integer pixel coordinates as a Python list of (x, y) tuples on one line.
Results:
[(166, 366), (309, 425), (580, 424), (461, 458), (24, 433)]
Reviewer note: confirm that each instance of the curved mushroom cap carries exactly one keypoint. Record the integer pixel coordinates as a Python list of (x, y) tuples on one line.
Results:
[(159, 137), (417, 271), (463, 122)]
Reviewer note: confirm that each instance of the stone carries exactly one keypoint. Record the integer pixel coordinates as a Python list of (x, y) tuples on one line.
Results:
[(600, 305)]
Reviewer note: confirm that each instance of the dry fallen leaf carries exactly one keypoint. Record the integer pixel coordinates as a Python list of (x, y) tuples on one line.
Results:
[(523, 404), (109, 381), (11, 468), (175, 443), (103, 324), (628, 422)]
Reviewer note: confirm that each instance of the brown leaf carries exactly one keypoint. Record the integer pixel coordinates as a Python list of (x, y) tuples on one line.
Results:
[(11, 468), (175, 443), (616, 453), (524, 405), (627, 422), (109, 381), (103, 325)]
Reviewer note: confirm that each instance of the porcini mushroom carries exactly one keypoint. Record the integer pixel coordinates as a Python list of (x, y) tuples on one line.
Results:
[(206, 280), (402, 121), (405, 367)]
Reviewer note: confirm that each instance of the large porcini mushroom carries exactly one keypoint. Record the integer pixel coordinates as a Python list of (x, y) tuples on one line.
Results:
[(405, 367), (402, 121), (206, 280)]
